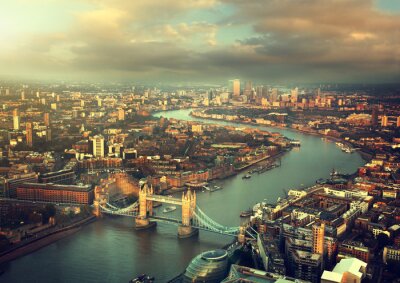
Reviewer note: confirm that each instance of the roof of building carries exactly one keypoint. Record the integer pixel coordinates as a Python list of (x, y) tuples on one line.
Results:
[(51, 186), (350, 265), (246, 274), (332, 276)]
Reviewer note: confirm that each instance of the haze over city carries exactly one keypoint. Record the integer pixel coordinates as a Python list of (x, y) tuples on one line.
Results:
[(201, 40), (192, 141)]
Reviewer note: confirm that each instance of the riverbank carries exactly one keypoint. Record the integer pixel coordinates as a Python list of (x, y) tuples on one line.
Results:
[(365, 155), (45, 240)]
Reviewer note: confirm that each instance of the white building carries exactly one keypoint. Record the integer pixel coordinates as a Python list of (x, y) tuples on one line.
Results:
[(98, 146), (348, 270)]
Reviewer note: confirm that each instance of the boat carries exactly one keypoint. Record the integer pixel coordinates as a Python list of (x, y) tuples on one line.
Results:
[(216, 188), (247, 176), (206, 188), (246, 213), (334, 173), (295, 142), (143, 278), (169, 209)]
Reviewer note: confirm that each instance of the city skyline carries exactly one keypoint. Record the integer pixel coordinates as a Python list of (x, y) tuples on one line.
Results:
[(204, 40)]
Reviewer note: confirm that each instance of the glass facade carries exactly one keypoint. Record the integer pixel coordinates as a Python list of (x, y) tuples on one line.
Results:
[(210, 266)]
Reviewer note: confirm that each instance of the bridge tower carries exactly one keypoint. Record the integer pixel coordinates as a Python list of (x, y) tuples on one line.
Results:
[(96, 210), (188, 206), (145, 208)]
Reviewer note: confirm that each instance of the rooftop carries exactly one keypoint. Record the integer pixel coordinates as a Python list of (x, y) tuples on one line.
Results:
[(51, 186)]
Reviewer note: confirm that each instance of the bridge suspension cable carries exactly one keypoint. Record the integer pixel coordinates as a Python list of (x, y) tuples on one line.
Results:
[(203, 221)]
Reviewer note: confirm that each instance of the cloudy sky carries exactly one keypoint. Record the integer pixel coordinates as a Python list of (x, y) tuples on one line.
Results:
[(201, 40)]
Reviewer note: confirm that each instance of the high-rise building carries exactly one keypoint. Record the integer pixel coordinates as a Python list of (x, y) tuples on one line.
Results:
[(398, 122), (318, 234), (98, 146), (22, 95), (235, 87), (384, 121), (274, 95), (16, 120), (294, 93), (29, 134), (46, 118), (259, 91)]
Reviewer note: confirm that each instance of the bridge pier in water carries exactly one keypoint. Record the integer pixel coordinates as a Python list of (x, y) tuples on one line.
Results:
[(142, 221), (185, 230)]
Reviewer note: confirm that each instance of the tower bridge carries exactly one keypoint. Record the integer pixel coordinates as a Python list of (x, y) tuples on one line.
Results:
[(192, 219)]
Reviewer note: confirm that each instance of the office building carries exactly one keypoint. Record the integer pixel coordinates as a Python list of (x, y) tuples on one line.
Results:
[(46, 118), (307, 266), (16, 120), (82, 194), (98, 146), (235, 87), (29, 134)]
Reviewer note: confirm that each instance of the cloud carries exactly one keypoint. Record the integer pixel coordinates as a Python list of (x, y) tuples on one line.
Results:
[(188, 40)]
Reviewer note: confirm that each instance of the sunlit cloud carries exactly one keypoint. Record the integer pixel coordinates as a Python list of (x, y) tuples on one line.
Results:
[(309, 40)]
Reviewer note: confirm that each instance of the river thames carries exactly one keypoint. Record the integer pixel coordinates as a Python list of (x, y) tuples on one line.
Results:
[(110, 250)]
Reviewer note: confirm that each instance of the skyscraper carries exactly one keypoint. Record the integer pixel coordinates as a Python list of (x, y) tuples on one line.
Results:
[(16, 119), (235, 87), (46, 118), (98, 146), (29, 134)]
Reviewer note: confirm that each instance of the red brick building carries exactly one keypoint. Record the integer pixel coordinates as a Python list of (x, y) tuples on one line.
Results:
[(56, 193)]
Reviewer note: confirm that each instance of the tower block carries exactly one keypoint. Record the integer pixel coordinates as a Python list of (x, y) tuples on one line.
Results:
[(145, 209), (188, 206)]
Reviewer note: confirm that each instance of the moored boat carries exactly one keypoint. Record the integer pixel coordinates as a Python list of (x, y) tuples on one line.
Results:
[(169, 209), (247, 176), (246, 213)]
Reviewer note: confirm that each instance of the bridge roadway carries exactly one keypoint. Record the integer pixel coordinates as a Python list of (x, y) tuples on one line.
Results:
[(164, 199), (200, 220)]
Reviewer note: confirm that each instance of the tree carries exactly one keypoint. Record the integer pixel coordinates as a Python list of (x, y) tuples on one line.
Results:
[(383, 240), (48, 211)]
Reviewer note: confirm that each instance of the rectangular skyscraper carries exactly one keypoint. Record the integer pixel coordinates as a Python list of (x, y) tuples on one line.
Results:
[(16, 120), (235, 87), (29, 134), (98, 146)]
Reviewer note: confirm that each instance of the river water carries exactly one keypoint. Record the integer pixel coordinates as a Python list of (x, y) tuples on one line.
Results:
[(110, 250)]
